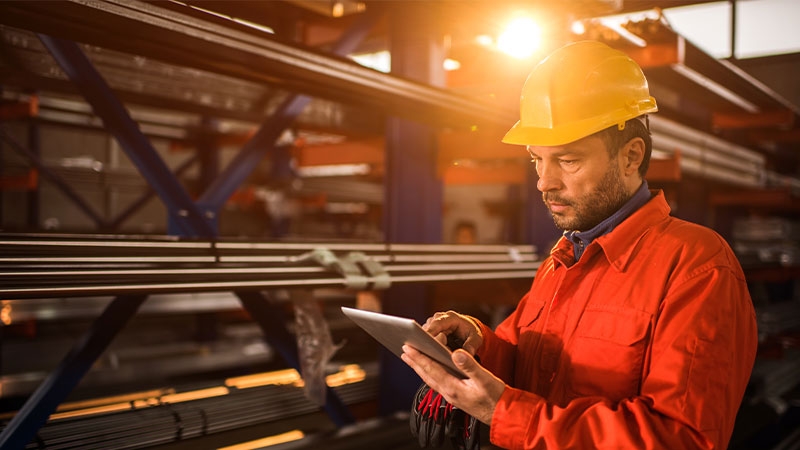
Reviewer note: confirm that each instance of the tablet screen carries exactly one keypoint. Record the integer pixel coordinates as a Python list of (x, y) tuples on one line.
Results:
[(393, 331)]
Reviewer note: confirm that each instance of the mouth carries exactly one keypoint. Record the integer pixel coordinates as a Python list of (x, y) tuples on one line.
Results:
[(555, 205), (557, 208)]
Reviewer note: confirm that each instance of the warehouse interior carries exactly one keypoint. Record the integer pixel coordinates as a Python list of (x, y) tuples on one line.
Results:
[(190, 190)]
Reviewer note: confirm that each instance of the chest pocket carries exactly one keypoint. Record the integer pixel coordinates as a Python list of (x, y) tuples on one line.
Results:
[(607, 353), (529, 321)]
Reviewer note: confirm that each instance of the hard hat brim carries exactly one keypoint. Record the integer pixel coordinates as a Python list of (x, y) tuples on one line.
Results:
[(571, 132)]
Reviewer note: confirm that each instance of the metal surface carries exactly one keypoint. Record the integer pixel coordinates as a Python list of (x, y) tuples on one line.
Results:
[(54, 178), (33, 266), (145, 197), (142, 29), (23, 427), (263, 142), (190, 220), (151, 421), (273, 324)]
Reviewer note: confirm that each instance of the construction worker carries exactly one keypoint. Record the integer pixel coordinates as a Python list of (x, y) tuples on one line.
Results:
[(638, 331)]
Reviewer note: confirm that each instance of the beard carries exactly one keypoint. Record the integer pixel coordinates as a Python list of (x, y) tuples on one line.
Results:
[(592, 208)]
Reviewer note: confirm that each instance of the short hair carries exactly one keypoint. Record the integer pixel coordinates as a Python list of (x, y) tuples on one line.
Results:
[(638, 127)]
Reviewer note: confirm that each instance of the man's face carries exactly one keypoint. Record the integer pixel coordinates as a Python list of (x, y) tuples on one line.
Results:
[(581, 183)]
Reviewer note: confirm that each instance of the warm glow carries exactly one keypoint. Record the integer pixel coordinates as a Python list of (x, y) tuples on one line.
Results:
[(5, 313), (351, 373), (294, 435), (484, 40), (279, 377), (194, 395), (578, 27), (347, 374), (521, 38), (451, 64)]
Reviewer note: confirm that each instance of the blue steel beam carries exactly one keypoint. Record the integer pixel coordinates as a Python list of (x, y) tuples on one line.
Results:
[(263, 142), (146, 196), (413, 194), (183, 212), (54, 178), (53, 390), (58, 385), (34, 144)]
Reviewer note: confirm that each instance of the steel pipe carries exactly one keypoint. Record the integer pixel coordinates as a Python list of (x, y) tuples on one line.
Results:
[(35, 266)]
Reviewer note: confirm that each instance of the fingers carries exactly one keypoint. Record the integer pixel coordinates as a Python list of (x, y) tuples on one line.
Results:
[(430, 371), (472, 343), (451, 323)]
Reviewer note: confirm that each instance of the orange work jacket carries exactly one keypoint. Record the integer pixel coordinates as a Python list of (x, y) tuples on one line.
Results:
[(647, 342)]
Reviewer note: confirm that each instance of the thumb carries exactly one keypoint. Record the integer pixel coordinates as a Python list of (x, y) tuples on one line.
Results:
[(464, 361)]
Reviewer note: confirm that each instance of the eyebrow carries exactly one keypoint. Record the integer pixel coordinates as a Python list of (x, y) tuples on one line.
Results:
[(560, 153)]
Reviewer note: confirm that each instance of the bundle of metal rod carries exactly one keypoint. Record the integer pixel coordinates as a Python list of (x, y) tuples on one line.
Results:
[(186, 415), (41, 266), (777, 318), (778, 376)]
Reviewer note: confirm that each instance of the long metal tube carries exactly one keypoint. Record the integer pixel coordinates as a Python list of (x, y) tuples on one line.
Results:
[(142, 28), (703, 169), (69, 266), (163, 423), (706, 155), (211, 286), (660, 125)]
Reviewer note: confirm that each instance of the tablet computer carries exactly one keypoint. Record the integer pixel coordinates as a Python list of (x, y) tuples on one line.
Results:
[(393, 332)]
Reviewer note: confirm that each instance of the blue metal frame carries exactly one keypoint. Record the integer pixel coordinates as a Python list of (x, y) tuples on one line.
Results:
[(146, 196), (190, 220), (413, 194), (54, 178), (33, 195), (53, 390), (263, 142), (183, 212)]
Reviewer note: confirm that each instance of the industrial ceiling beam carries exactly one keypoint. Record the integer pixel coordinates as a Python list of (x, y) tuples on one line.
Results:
[(185, 214), (151, 31), (263, 142)]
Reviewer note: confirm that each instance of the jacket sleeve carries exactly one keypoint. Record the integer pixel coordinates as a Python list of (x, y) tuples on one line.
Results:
[(703, 348)]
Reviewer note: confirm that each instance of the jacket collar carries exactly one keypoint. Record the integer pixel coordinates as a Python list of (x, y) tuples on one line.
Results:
[(618, 245)]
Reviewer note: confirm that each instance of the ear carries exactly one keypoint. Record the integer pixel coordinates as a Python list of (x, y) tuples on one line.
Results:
[(631, 156)]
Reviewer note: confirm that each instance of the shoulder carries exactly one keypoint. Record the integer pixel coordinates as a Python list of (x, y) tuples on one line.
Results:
[(685, 242)]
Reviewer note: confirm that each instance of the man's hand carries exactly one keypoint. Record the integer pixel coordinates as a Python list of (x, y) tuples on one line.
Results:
[(477, 395), (450, 324)]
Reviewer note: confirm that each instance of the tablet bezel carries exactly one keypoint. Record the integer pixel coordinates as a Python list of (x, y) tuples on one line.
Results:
[(393, 332)]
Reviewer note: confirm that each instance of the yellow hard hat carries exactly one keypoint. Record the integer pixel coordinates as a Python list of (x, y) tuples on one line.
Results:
[(579, 89)]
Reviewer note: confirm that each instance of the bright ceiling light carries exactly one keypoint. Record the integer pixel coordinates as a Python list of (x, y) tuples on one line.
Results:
[(521, 38), (578, 27), (451, 64), (484, 40)]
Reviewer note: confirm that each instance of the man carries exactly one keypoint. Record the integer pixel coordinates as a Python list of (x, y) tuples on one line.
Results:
[(638, 331), (465, 232)]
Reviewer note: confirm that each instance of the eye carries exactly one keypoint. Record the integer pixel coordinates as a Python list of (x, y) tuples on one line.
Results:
[(568, 162)]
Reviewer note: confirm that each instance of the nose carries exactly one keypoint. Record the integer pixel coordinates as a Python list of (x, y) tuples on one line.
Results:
[(549, 178)]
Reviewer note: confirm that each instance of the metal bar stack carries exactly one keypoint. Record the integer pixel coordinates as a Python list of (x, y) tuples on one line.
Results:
[(157, 421), (43, 266)]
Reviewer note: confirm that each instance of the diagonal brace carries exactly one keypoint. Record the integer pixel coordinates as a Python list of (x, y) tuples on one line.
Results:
[(54, 178), (53, 390), (116, 119), (263, 142)]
